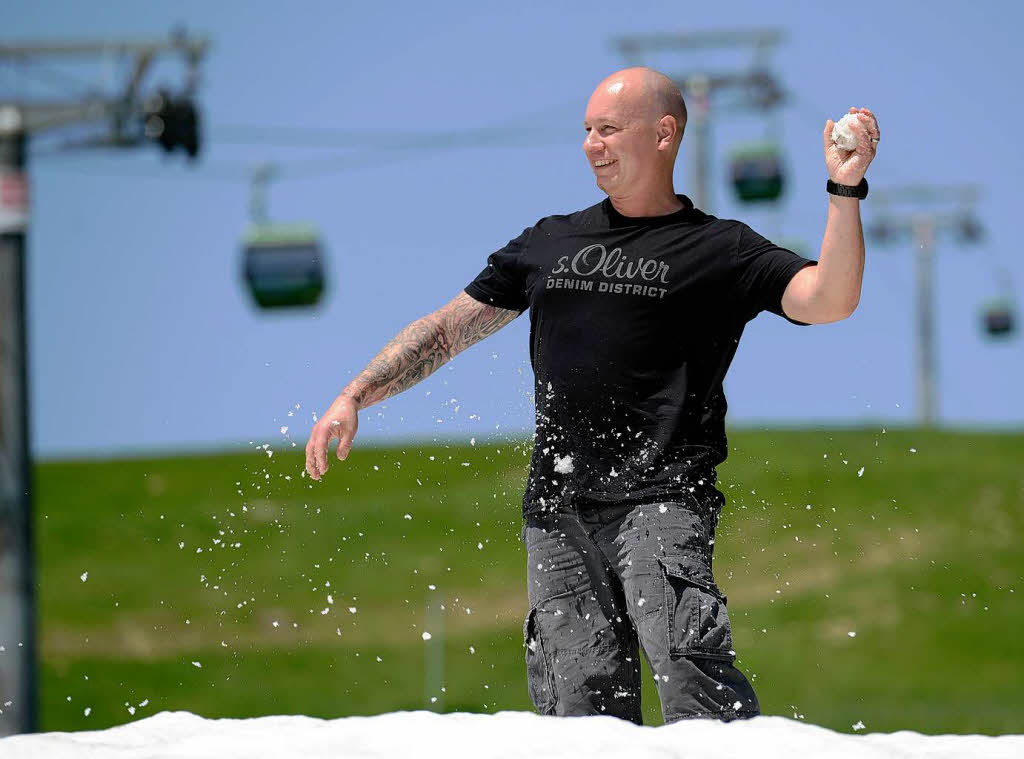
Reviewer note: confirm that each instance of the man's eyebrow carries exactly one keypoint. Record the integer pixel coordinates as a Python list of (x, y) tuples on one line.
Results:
[(602, 119)]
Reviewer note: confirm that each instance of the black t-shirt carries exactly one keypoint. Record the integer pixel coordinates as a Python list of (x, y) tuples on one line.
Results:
[(633, 324)]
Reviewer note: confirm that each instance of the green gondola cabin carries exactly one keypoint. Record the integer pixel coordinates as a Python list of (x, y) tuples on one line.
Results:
[(757, 173), (283, 264)]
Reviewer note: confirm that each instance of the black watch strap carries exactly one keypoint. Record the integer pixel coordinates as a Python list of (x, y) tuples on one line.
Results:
[(859, 191)]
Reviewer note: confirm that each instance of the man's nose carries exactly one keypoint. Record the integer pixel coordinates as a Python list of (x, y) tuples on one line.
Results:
[(592, 142)]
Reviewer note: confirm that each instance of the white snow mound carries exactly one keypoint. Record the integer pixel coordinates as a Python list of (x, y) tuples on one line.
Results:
[(460, 735)]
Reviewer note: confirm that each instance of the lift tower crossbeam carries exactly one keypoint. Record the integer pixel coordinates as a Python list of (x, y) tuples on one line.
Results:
[(758, 87)]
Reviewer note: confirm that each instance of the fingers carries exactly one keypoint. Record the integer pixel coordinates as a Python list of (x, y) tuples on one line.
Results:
[(344, 446), (317, 458), (868, 119), (829, 125), (310, 470), (316, 453)]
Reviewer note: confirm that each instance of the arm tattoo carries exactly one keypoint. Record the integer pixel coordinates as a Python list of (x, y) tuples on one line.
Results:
[(424, 346)]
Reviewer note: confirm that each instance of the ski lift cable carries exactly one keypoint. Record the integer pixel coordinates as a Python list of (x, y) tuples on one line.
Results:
[(400, 146), (293, 169), (388, 139)]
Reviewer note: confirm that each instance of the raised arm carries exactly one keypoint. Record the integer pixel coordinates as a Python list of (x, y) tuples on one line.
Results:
[(830, 291), (412, 355)]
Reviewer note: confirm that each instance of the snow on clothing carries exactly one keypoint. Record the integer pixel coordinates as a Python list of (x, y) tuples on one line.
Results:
[(633, 324), (604, 585)]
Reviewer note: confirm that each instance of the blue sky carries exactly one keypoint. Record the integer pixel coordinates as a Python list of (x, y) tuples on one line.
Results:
[(142, 339)]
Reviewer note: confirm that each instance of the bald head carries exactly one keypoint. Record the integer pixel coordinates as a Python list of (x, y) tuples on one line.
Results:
[(634, 124), (648, 92)]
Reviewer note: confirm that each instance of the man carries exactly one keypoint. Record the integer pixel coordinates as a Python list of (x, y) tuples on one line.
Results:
[(636, 306)]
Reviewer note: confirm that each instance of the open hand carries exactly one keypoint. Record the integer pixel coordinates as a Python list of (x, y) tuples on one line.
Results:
[(339, 422)]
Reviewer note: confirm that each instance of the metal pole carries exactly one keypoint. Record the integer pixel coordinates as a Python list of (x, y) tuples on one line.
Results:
[(18, 707), (433, 671), (924, 259), (698, 90)]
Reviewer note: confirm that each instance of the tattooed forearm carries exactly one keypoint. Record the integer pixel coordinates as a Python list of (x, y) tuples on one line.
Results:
[(424, 346)]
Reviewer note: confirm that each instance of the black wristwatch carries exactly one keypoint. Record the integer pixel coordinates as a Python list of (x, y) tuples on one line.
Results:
[(848, 191)]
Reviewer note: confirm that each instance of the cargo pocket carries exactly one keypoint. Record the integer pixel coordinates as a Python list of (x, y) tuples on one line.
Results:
[(539, 676), (698, 623)]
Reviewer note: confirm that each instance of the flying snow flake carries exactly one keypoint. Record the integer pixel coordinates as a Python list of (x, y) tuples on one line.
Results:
[(88, 711), (913, 450), (737, 705), (426, 636), (275, 623), (860, 472), (852, 634), (284, 430), (409, 516), (663, 508), (563, 464), (84, 576), (197, 665), (858, 726), (352, 609), (479, 546)]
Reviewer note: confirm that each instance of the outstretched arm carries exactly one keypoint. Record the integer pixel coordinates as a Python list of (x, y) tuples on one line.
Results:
[(412, 355)]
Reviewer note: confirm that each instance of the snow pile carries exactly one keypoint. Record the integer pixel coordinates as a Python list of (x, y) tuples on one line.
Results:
[(470, 736)]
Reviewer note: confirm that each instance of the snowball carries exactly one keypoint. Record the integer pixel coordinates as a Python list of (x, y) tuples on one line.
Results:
[(842, 135)]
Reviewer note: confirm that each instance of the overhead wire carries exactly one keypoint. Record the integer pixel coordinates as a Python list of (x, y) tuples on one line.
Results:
[(399, 146)]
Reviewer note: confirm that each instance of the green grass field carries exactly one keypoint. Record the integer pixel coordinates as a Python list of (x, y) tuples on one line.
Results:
[(228, 587)]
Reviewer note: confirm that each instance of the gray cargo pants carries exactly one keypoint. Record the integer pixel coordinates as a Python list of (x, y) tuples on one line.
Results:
[(607, 582)]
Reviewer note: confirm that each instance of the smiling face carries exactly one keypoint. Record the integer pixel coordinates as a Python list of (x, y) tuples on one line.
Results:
[(630, 141)]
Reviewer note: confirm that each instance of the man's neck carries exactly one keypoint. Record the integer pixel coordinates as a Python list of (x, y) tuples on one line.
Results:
[(651, 203)]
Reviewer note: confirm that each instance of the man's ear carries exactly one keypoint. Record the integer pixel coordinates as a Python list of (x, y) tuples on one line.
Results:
[(666, 130)]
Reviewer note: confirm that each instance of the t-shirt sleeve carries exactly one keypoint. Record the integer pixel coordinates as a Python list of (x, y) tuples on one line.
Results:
[(764, 271), (502, 283)]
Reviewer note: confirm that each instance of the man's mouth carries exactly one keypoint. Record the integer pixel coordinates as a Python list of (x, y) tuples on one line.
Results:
[(604, 162)]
